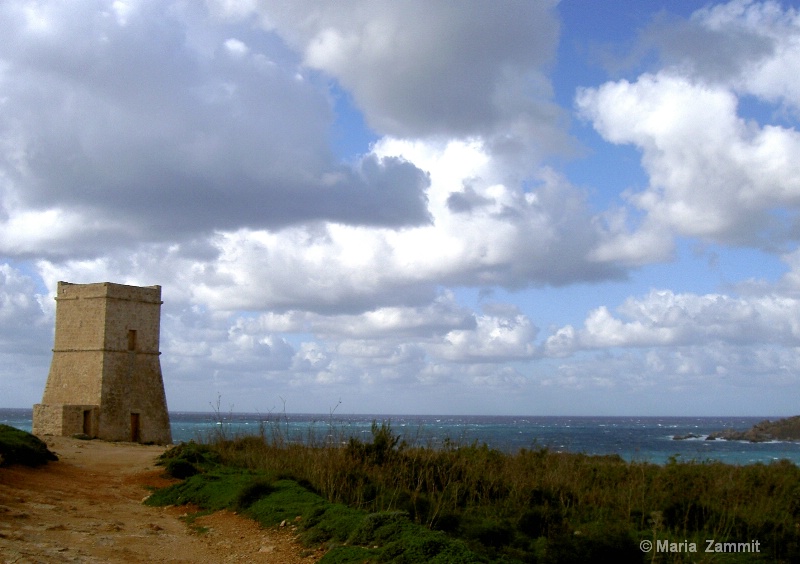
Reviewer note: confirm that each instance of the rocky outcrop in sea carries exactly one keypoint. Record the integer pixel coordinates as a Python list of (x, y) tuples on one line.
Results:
[(787, 429)]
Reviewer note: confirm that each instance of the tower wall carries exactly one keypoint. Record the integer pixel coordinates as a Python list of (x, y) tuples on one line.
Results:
[(106, 374)]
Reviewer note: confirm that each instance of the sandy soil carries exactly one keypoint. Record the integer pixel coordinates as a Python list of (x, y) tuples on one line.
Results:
[(87, 508)]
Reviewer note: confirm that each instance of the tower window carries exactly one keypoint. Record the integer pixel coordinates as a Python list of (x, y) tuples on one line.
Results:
[(131, 339)]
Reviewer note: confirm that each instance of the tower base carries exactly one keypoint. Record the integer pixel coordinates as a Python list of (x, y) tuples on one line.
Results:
[(65, 419)]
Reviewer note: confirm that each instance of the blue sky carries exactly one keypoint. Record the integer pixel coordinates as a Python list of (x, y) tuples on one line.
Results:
[(556, 208)]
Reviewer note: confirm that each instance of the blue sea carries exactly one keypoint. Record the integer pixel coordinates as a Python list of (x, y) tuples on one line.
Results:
[(633, 438)]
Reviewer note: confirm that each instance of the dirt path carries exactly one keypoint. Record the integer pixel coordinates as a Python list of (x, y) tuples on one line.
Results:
[(87, 508)]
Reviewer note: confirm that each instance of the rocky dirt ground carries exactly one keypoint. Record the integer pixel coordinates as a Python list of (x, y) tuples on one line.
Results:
[(87, 508)]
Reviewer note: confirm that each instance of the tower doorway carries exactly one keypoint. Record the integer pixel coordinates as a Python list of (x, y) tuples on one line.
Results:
[(87, 422), (135, 431)]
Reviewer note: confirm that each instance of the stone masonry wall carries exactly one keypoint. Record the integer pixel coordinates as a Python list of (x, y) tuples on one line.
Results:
[(65, 420)]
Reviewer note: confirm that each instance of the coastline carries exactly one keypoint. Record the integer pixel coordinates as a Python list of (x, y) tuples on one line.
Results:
[(647, 439)]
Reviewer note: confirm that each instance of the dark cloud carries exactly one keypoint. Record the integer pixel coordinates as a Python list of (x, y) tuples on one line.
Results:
[(466, 201), (447, 68), (154, 127)]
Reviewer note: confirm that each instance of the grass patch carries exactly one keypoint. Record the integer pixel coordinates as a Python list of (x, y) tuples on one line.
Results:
[(190, 519), (20, 447), (216, 489), (352, 535)]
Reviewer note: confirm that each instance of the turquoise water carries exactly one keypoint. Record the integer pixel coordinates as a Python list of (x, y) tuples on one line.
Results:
[(633, 438)]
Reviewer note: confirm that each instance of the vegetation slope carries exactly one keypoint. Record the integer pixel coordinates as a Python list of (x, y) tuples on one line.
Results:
[(387, 501)]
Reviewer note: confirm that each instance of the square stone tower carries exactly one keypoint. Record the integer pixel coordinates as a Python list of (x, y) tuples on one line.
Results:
[(105, 377)]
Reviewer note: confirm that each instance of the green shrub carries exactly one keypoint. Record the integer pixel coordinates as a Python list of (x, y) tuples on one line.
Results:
[(198, 455), (382, 448), (606, 545), (288, 500), (181, 469), (350, 555), (252, 492), (378, 528), (430, 547), (216, 489), (540, 521), (19, 447)]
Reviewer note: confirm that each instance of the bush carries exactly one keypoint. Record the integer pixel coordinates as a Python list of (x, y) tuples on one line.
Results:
[(377, 528), (198, 455), (382, 448), (181, 469), (19, 447), (252, 492), (594, 546), (216, 489)]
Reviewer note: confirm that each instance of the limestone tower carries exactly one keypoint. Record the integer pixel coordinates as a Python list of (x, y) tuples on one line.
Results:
[(105, 377)]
